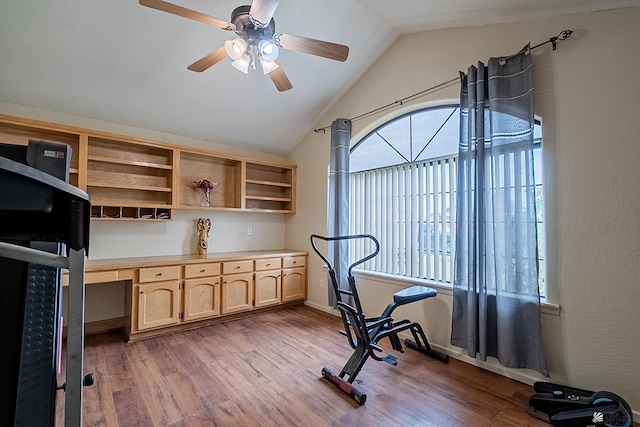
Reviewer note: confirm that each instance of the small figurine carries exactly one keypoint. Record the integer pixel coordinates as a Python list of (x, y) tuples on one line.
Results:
[(203, 227)]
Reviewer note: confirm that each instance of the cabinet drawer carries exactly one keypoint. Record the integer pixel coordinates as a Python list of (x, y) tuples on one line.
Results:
[(268, 264), (237, 267), (202, 270), (155, 274), (293, 261), (101, 276)]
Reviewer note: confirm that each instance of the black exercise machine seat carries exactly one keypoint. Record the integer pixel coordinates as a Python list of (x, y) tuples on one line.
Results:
[(413, 294), (408, 295)]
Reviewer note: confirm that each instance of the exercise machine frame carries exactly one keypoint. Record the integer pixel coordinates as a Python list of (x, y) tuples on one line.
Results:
[(364, 333)]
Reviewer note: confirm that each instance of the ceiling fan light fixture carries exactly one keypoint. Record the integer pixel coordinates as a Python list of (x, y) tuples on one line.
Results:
[(235, 48), (268, 67), (242, 64), (268, 50)]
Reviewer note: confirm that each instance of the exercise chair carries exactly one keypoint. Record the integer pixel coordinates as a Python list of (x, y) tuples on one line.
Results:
[(363, 333)]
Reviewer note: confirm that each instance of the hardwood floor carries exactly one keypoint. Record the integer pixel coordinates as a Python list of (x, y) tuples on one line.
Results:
[(265, 371)]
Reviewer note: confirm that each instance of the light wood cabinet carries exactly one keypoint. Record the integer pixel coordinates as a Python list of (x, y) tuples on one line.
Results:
[(164, 294), (201, 291), (163, 300), (240, 266), (155, 274), (225, 172), (18, 131), (158, 304), (268, 282), (201, 298), (127, 180), (133, 179), (294, 284), (270, 187), (294, 278), (202, 270), (157, 297), (237, 292)]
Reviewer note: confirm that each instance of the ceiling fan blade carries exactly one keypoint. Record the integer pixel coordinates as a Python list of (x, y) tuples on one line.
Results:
[(187, 13), (262, 11), (329, 50), (280, 79), (208, 60)]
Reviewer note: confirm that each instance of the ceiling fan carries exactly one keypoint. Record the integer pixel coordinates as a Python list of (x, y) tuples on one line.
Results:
[(256, 41)]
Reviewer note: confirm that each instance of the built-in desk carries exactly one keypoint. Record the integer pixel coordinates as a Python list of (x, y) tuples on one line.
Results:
[(168, 293)]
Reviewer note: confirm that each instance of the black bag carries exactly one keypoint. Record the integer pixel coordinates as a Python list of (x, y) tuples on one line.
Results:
[(564, 406)]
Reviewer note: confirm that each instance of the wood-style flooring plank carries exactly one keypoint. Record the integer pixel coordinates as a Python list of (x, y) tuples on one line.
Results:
[(265, 371)]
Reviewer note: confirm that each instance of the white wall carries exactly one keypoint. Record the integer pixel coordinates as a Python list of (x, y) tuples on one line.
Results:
[(587, 94)]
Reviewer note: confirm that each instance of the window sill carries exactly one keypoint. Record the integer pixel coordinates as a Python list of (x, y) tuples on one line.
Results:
[(545, 307)]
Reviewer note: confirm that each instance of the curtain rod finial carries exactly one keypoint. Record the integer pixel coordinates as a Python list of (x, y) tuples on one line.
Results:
[(565, 34)]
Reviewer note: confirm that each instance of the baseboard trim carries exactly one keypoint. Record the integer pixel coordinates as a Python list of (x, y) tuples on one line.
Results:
[(92, 328), (323, 308)]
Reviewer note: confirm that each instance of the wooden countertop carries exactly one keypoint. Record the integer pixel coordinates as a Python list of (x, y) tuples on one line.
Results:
[(152, 261)]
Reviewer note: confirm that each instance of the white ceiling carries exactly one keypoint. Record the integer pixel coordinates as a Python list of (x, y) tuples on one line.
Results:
[(120, 62)]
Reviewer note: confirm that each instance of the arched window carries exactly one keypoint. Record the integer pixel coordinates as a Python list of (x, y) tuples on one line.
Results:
[(403, 191)]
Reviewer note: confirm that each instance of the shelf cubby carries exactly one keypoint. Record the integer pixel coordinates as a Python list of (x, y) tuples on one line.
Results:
[(270, 187), (129, 213), (136, 174), (226, 172)]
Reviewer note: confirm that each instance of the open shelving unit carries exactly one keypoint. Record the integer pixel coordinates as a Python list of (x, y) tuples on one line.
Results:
[(124, 177), (270, 187), (14, 131), (133, 179), (224, 171)]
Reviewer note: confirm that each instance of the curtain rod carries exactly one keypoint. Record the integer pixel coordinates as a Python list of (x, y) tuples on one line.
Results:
[(563, 35)]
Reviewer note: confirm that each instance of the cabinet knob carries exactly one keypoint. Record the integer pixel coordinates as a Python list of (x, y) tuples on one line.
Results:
[(158, 274), (202, 271), (268, 264)]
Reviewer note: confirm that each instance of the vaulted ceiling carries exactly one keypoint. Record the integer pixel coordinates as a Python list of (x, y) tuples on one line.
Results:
[(121, 62)]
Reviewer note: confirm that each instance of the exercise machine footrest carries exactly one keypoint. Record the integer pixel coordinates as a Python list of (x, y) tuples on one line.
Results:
[(428, 351), (391, 360)]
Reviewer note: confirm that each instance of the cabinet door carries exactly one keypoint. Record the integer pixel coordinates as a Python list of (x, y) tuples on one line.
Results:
[(294, 284), (158, 304), (267, 288), (237, 292), (201, 298)]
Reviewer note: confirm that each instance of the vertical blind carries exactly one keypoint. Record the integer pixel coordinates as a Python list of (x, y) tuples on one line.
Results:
[(410, 209)]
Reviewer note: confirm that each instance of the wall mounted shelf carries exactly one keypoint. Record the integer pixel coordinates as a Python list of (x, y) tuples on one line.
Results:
[(133, 179)]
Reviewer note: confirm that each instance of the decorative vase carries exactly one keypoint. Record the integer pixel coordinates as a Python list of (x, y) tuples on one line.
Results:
[(206, 185), (203, 225)]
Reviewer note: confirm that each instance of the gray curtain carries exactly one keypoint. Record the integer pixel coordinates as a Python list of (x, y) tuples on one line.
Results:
[(496, 300), (338, 204)]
